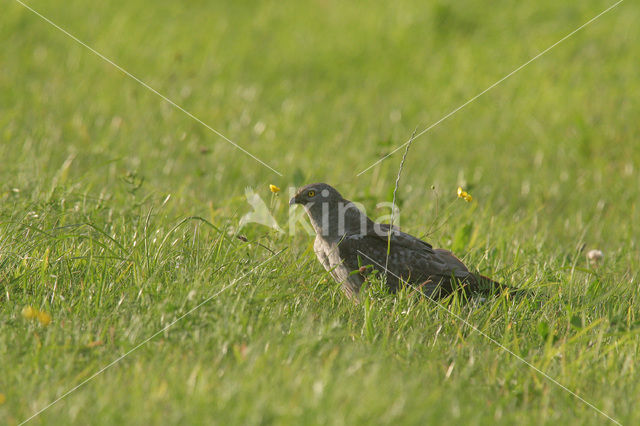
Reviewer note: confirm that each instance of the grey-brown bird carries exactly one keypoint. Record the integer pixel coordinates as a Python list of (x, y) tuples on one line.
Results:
[(349, 245)]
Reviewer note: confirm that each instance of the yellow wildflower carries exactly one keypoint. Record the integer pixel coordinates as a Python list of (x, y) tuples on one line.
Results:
[(29, 313), (3, 398), (464, 195), (44, 318), (274, 188)]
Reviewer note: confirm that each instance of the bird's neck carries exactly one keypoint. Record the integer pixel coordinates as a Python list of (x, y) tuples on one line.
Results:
[(336, 219)]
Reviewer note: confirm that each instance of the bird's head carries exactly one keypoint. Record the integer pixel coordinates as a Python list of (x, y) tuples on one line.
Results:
[(315, 193), (330, 214)]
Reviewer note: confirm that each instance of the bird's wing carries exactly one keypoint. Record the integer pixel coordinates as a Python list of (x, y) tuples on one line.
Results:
[(362, 250), (441, 260), (400, 238), (410, 259), (451, 263)]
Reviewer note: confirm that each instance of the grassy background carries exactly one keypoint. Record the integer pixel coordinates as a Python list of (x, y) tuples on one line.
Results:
[(99, 177)]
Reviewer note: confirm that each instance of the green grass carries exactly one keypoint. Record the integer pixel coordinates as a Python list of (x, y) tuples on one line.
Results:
[(319, 90)]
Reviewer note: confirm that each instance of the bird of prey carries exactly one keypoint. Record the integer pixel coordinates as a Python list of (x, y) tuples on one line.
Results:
[(349, 245)]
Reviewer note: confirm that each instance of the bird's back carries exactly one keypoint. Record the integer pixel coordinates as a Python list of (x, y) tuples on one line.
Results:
[(414, 264)]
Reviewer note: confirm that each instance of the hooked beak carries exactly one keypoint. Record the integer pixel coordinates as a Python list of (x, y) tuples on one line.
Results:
[(293, 201)]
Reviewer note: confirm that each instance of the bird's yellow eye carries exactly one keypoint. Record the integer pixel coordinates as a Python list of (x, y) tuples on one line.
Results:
[(311, 193)]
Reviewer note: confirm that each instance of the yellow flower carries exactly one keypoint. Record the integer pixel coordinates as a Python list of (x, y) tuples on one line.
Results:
[(44, 318), (274, 188), (29, 313), (464, 195), (2, 398)]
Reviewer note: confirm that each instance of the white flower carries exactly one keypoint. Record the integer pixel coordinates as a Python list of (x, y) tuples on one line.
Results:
[(594, 256)]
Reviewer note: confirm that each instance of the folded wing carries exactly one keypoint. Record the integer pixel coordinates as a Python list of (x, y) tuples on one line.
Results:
[(410, 259)]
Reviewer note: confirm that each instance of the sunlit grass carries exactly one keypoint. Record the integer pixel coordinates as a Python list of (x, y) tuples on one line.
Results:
[(119, 214)]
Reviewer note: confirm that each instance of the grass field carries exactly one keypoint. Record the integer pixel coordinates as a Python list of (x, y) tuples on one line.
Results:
[(119, 213)]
